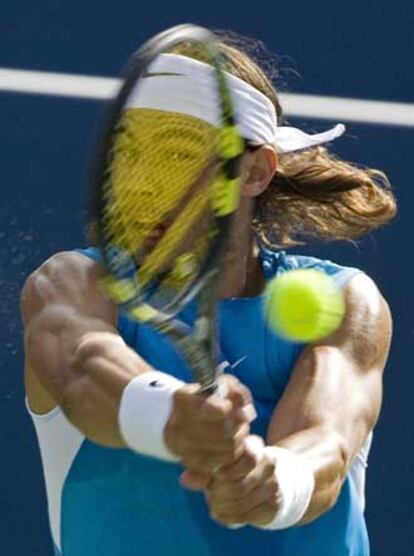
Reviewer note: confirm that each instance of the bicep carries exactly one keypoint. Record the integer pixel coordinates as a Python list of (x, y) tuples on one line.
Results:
[(336, 384)]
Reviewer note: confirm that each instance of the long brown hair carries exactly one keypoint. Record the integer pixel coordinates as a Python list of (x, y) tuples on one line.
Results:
[(313, 194)]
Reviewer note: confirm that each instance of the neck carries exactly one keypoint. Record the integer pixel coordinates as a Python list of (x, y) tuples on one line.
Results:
[(242, 273)]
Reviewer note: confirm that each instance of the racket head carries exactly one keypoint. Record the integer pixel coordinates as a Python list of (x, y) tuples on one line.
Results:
[(164, 183)]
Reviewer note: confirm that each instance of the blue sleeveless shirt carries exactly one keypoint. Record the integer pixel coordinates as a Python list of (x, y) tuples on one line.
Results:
[(118, 503)]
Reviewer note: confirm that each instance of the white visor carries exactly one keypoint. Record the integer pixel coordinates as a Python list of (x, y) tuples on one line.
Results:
[(180, 84)]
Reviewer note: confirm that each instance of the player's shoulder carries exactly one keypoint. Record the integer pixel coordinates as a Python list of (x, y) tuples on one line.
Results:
[(366, 331), (56, 276), (73, 258), (64, 265), (364, 299)]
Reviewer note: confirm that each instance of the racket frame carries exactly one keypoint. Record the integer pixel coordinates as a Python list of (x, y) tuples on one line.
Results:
[(197, 345)]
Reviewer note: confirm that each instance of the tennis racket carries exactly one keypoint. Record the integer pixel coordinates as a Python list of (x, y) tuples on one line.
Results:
[(165, 185)]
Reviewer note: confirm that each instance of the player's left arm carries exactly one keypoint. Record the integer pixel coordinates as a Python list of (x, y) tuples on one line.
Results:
[(334, 396), (330, 405)]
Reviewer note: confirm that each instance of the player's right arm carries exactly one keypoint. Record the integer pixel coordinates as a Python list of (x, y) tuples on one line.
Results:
[(75, 358), (72, 346)]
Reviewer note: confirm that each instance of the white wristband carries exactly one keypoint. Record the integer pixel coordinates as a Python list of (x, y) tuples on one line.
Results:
[(144, 410), (296, 484)]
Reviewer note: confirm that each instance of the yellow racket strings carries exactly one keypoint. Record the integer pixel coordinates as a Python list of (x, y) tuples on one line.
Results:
[(160, 189)]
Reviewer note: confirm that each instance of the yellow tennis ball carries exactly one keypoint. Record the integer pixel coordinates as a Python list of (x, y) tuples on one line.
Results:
[(304, 305)]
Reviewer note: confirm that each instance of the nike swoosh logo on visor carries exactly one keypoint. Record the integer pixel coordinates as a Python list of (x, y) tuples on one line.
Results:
[(161, 74)]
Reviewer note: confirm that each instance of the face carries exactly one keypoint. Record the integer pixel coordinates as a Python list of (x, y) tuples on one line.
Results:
[(162, 166)]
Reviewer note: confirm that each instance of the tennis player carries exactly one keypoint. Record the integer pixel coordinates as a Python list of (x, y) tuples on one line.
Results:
[(135, 461)]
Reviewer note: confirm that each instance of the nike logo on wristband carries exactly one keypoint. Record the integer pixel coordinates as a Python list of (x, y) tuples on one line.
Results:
[(155, 384)]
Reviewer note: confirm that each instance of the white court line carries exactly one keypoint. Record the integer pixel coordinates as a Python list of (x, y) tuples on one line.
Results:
[(303, 106), (349, 109), (58, 84)]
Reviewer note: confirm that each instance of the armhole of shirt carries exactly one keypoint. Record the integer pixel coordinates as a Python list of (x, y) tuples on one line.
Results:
[(343, 277), (59, 442), (357, 470)]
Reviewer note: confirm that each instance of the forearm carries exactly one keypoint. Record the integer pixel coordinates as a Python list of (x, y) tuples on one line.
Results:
[(85, 365), (325, 453)]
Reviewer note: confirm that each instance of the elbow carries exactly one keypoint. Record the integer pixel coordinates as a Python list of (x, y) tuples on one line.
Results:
[(332, 476)]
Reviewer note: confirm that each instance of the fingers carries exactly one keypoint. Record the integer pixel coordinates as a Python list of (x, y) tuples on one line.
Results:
[(204, 449), (208, 432), (239, 508), (252, 453), (189, 402), (198, 455), (260, 515), (215, 438), (235, 493), (232, 492), (250, 498), (198, 407)]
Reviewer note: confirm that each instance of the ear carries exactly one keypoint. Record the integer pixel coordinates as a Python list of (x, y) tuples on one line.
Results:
[(258, 168)]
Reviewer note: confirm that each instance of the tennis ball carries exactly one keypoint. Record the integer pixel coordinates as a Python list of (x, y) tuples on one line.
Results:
[(304, 305)]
